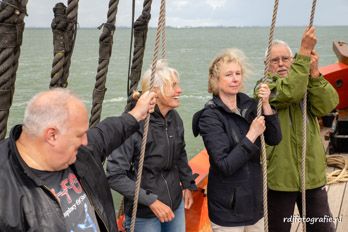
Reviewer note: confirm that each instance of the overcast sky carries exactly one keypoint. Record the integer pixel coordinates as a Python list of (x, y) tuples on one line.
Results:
[(193, 13)]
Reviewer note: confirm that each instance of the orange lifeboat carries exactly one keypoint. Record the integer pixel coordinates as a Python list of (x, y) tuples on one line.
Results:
[(337, 74), (197, 218)]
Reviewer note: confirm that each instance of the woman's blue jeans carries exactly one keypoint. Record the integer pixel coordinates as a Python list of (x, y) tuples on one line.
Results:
[(154, 225)]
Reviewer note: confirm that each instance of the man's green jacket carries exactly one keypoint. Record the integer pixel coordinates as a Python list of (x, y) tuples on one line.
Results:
[(284, 159)]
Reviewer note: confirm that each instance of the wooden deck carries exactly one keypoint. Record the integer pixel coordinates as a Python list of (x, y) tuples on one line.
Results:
[(338, 201)]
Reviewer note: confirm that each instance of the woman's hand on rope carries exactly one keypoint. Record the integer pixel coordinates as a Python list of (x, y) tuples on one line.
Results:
[(309, 40), (257, 127), (163, 212), (263, 93), (145, 104), (314, 68), (188, 198)]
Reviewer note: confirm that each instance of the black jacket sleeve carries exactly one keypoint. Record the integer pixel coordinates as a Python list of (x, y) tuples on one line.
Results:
[(272, 134), (185, 171), (110, 134), (226, 157), (118, 167)]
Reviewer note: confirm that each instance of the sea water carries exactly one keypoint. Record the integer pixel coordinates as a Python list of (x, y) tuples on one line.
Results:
[(189, 50)]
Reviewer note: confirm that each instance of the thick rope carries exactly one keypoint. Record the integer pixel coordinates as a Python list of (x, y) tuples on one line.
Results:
[(337, 176), (140, 36), (105, 50), (58, 25), (131, 45), (160, 27), (303, 160), (139, 31), (304, 139), (71, 12), (163, 30), (12, 13), (259, 112), (120, 211), (64, 27)]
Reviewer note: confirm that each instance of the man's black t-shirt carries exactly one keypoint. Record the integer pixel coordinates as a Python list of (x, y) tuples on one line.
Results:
[(78, 212)]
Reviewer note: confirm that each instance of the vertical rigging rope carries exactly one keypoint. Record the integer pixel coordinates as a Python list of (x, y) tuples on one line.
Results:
[(58, 25), (163, 30), (160, 28), (120, 211), (140, 36), (105, 50), (139, 31), (12, 15), (71, 12), (304, 138), (131, 45), (64, 41), (259, 112)]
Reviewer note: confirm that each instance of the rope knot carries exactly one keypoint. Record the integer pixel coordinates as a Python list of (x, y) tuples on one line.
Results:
[(15, 5), (111, 27), (60, 20)]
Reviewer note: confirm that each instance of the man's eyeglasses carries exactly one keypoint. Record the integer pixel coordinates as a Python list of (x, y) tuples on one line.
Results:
[(284, 59)]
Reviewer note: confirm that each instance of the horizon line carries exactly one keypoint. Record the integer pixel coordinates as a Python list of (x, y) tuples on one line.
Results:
[(193, 27)]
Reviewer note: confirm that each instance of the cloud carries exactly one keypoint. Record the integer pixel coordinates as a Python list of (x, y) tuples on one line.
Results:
[(183, 13), (180, 4), (199, 22), (216, 3)]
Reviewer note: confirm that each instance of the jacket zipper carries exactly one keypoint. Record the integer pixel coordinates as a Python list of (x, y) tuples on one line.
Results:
[(57, 201), (45, 187), (170, 198), (167, 137), (168, 162), (95, 208)]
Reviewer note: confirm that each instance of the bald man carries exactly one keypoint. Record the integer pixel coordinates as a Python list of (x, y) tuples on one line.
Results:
[(51, 167)]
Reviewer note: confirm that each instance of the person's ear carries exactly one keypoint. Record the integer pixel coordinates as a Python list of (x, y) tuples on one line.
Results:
[(50, 134)]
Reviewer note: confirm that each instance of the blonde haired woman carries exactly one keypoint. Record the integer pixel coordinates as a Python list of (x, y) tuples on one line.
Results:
[(167, 179), (230, 130)]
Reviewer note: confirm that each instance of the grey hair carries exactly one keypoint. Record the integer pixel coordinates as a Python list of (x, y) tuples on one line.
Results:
[(228, 55), (164, 76), (279, 42), (46, 109)]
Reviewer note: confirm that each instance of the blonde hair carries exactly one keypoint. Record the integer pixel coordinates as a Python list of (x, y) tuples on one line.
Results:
[(230, 55), (164, 76)]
